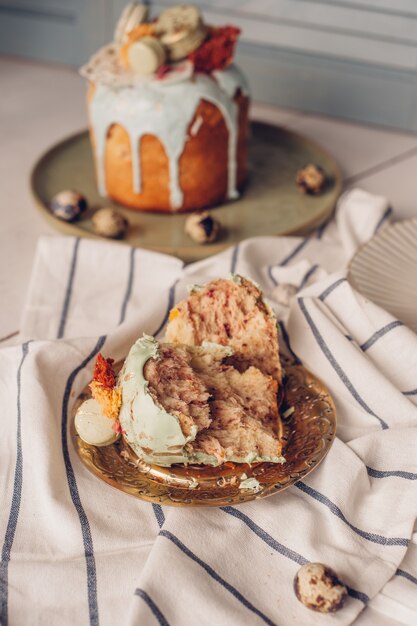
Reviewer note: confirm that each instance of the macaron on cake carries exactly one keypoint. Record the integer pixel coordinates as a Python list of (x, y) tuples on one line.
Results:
[(208, 399), (168, 112)]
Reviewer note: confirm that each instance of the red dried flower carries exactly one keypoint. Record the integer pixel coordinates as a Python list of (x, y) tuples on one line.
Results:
[(162, 71), (103, 372), (217, 51)]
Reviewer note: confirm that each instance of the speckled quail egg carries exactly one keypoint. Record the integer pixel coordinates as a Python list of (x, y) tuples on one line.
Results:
[(202, 227), (318, 588), (68, 205), (110, 223), (311, 179)]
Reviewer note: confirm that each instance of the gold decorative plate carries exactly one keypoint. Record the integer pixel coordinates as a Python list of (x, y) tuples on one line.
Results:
[(309, 432), (270, 205)]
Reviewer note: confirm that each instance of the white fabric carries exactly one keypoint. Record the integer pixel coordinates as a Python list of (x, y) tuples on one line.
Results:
[(75, 551)]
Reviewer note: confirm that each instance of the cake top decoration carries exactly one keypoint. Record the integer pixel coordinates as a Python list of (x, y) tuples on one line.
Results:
[(177, 42)]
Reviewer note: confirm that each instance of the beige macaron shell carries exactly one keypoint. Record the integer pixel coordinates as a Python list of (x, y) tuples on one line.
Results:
[(181, 30), (132, 15), (184, 17), (145, 56), (188, 43), (92, 426)]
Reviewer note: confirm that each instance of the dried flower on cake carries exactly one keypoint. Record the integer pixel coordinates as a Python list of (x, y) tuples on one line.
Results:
[(217, 51), (103, 387), (103, 371)]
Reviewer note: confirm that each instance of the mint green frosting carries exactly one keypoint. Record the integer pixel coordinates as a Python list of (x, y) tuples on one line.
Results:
[(153, 434), (250, 483)]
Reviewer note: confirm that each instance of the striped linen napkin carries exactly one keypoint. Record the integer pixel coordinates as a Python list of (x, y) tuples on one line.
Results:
[(75, 551)]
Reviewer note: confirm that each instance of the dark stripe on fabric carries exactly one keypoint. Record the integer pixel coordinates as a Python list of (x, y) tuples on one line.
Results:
[(292, 254), (286, 338), (211, 572), (171, 296), (266, 538), (331, 288), (407, 575), (75, 496), (380, 333), (386, 474), (233, 263), (322, 228), (307, 276), (159, 514), (287, 259), (15, 504), (129, 285), (413, 392), (339, 371), (162, 621), (279, 547), (358, 595), (380, 539), (271, 276), (68, 292), (384, 217)]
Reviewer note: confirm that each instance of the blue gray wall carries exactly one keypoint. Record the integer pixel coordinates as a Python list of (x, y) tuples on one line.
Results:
[(349, 58)]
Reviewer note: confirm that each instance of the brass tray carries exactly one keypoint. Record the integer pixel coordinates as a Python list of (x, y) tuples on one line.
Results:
[(270, 205), (309, 432)]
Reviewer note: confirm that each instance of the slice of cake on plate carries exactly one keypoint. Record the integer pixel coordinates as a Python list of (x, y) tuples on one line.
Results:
[(208, 396)]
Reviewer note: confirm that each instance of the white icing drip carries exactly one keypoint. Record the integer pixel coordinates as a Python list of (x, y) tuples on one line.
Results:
[(166, 112), (231, 79), (196, 126)]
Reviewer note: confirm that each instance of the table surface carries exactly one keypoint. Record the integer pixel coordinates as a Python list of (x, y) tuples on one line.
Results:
[(44, 103)]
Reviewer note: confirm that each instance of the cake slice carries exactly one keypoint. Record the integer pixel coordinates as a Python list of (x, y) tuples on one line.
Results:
[(185, 404), (230, 312)]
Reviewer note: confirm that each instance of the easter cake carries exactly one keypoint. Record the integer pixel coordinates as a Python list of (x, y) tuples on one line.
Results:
[(196, 401), (168, 112)]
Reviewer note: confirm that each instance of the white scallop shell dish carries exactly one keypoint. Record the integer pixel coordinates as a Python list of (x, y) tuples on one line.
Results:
[(385, 271)]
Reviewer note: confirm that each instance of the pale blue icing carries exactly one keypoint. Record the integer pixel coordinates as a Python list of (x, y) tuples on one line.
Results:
[(232, 79), (165, 110)]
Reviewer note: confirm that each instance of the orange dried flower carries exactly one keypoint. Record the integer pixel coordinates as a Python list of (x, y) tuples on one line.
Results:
[(173, 314), (217, 51), (103, 372), (141, 30)]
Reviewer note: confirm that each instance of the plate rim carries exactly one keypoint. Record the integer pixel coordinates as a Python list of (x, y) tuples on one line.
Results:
[(191, 253)]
